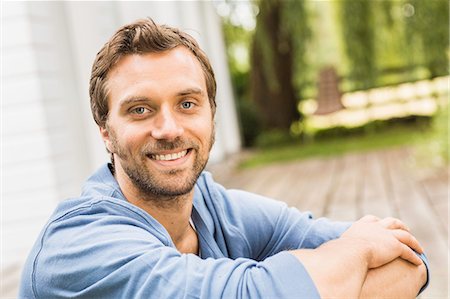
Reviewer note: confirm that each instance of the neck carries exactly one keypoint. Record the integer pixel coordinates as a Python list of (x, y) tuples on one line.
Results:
[(173, 213)]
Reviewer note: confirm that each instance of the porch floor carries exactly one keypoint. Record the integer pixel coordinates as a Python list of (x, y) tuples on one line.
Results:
[(381, 183)]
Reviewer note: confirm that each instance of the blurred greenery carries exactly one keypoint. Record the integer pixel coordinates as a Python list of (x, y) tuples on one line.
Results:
[(428, 30), (275, 138), (237, 39), (433, 148), (277, 57), (441, 128), (358, 35), (336, 141), (391, 42), (370, 43)]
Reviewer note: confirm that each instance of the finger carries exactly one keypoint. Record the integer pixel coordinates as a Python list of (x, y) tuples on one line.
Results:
[(409, 255), (408, 239), (369, 218), (393, 223)]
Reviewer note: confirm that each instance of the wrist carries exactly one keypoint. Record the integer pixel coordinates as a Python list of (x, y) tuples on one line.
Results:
[(360, 249)]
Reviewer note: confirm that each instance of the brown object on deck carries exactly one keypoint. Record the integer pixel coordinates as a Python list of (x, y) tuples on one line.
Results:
[(329, 95)]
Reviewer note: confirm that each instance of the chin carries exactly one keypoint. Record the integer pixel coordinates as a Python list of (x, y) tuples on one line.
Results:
[(175, 183)]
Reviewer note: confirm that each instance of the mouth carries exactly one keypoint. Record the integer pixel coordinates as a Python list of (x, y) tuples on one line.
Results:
[(170, 156)]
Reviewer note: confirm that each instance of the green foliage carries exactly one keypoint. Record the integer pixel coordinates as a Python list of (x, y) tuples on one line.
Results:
[(278, 55), (390, 42), (399, 134), (293, 32), (359, 44), (263, 42), (383, 43), (429, 26), (441, 128), (372, 127), (296, 25), (237, 40), (274, 138), (434, 149), (250, 122)]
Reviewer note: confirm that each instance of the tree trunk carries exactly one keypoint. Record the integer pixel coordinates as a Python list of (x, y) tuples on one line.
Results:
[(272, 87)]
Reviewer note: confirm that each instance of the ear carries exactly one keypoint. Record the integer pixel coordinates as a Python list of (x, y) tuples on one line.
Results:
[(105, 136)]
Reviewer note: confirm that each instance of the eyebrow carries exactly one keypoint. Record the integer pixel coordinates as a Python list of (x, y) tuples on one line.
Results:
[(189, 91), (133, 99), (138, 99)]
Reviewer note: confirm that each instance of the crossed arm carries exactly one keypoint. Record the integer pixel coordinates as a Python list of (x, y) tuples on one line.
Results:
[(373, 259)]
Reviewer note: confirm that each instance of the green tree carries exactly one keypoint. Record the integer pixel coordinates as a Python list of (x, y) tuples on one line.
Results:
[(277, 53), (396, 58), (238, 39), (357, 31), (429, 23)]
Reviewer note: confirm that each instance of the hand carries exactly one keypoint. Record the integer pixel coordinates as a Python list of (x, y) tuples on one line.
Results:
[(397, 279), (384, 240)]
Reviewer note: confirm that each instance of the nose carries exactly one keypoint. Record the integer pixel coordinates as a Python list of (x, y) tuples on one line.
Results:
[(166, 126)]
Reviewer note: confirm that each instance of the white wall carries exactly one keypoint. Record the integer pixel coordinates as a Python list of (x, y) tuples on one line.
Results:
[(50, 143)]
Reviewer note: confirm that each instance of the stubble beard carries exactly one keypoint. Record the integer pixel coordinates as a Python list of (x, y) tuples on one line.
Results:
[(155, 187)]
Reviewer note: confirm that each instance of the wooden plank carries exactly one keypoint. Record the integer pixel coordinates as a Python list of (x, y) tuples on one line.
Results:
[(342, 202), (436, 184), (436, 188), (298, 190), (318, 185), (301, 184), (228, 173), (417, 213), (375, 194), (235, 180), (260, 179), (288, 178), (442, 208)]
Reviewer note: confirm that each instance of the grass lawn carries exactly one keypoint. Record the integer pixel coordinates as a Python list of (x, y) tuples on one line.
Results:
[(388, 137)]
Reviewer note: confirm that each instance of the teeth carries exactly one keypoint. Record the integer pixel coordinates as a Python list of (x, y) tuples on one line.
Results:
[(169, 157)]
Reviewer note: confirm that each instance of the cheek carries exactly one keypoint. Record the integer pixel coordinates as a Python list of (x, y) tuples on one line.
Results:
[(206, 131), (131, 139), (134, 143)]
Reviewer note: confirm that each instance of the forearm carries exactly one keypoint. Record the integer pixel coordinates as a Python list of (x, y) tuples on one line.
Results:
[(338, 268), (397, 279)]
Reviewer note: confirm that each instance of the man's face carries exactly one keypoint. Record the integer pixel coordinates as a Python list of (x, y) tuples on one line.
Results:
[(160, 125)]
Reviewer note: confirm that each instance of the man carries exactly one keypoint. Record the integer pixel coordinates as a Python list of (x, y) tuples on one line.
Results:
[(152, 224)]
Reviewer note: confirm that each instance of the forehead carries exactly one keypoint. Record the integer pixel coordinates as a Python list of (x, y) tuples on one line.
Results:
[(162, 71)]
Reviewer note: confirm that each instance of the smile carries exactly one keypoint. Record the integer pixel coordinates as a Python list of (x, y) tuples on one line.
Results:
[(169, 157)]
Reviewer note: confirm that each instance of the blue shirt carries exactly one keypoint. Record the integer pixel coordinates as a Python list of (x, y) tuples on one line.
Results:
[(101, 246)]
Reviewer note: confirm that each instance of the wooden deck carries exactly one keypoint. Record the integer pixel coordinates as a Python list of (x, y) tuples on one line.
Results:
[(347, 187)]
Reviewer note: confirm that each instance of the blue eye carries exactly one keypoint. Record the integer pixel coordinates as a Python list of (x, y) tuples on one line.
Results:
[(187, 105), (139, 110)]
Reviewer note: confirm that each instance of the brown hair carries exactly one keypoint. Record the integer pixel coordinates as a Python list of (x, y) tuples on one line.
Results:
[(140, 37)]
